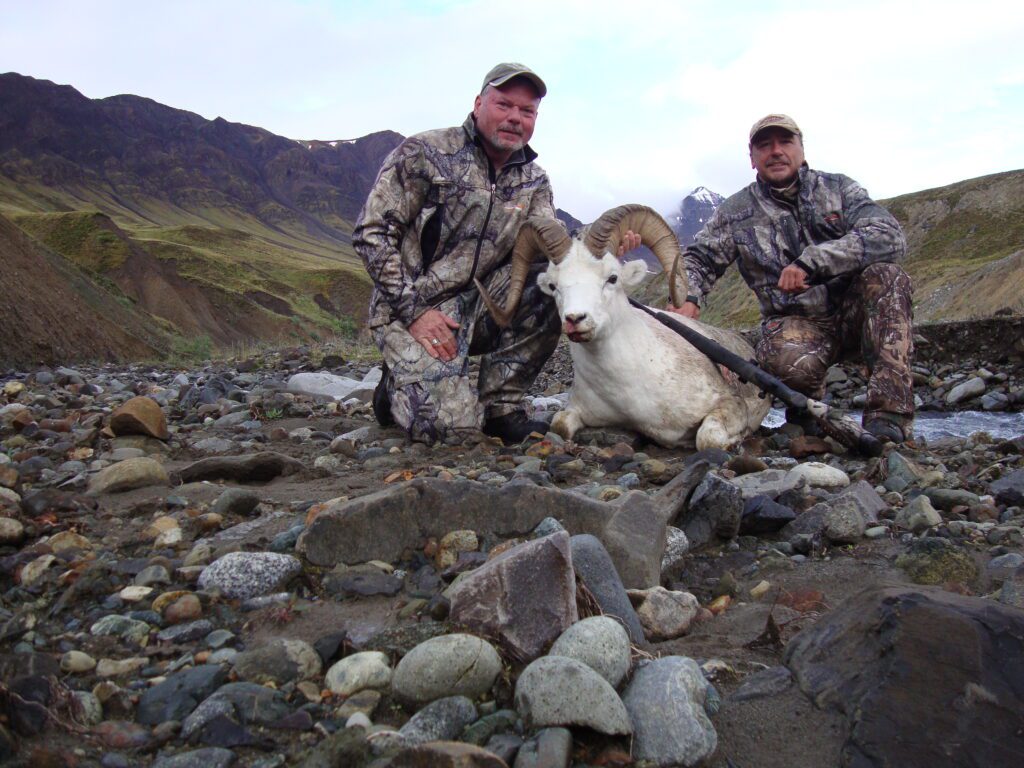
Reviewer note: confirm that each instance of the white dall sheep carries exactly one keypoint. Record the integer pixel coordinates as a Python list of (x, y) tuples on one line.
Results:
[(629, 370)]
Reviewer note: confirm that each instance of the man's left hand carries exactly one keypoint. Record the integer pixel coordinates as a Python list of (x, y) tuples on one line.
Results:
[(793, 280), (630, 240)]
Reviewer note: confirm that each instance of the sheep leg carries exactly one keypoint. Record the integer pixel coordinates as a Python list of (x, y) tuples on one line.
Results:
[(721, 428), (566, 423)]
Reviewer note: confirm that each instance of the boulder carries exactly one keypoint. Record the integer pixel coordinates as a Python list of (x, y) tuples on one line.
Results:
[(251, 468), (926, 678), (381, 525), (715, 509), (665, 700), (524, 598), (241, 575), (601, 643), (128, 475), (139, 416), (449, 665), (594, 568), (555, 690), (664, 614)]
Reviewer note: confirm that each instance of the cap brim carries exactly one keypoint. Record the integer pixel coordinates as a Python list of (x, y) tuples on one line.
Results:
[(537, 82)]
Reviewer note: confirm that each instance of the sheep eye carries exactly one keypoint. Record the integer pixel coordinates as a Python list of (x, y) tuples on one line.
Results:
[(613, 279), (551, 286)]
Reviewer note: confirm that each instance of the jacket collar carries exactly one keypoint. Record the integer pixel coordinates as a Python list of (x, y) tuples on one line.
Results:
[(801, 176), (519, 157)]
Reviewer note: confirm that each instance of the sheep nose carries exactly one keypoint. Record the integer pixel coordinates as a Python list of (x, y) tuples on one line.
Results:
[(576, 319)]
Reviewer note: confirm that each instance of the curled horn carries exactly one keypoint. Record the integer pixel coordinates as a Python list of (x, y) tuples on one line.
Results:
[(605, 234), (537, 235)]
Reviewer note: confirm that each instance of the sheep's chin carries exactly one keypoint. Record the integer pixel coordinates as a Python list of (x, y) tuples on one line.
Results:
[(580, 337)]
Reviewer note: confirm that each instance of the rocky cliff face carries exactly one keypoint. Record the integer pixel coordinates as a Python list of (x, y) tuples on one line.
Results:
[(693, 213)]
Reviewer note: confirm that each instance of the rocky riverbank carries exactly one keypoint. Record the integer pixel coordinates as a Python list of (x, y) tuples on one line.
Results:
[(217, 567)]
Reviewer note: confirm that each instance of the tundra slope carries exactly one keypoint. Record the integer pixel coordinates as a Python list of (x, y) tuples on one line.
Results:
[(629, 370)]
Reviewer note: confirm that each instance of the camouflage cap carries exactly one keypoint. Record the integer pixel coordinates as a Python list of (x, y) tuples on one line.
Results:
[(505, 71), (775, 121)]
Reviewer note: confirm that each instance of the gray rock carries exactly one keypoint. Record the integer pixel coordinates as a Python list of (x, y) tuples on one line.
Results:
[(555, 690), (241, 575), (367, 669), (767, 682), (715, 509), (677, 546), (127, 475), (250, 468), (441, 720), (457, 664), (902, 473), (601, 643), (550, 748), (919, 515), (867, 499), (525, 597), (966, 390), (594, 568), (763, 515), (185, 633), (817, 475), (280, 661), (844, 522), (121, 626), (246, 703), (208, 757), (1009, 490), (768, 482), (320, 383), (665, 700), (936, 647), (179, 694), (379, 526), (947, 498), (236, 501)]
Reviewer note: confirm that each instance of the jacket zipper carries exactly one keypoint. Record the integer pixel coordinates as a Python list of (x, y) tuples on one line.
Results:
[(483, 231)]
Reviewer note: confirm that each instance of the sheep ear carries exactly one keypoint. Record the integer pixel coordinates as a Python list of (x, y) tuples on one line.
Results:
[(633, 272), (546, 279)]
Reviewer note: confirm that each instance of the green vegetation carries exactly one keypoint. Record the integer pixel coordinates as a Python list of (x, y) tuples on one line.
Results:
[(197, 349), (88, 238)]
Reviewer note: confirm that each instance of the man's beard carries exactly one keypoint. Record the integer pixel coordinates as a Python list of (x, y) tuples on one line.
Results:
[(503, 142)]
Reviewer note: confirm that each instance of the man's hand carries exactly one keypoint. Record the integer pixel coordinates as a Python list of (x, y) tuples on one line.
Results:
[(630, 240), (793, 279), (433, 330), (689, 309)]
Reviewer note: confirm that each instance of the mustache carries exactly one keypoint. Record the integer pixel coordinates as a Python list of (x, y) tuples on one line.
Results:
[(511, 129)]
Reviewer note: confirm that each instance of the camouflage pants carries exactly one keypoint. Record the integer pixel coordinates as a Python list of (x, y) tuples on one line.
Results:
[(437, 401), (874, 320)]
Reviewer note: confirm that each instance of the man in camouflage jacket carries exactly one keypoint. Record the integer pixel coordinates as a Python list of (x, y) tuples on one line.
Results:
[(820, 256), (446, 207)]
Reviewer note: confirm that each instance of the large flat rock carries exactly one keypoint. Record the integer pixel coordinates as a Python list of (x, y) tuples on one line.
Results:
[(926, 678), (379, 526)]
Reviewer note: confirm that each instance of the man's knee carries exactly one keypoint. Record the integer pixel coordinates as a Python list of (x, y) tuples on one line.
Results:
[(885, 278), (796, 356), (441, 412)]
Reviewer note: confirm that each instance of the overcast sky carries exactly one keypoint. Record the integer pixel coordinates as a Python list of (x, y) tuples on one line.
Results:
[(647, 99)]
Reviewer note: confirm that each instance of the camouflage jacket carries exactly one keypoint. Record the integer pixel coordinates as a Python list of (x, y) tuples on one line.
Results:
[(832, 230), (437, 216)]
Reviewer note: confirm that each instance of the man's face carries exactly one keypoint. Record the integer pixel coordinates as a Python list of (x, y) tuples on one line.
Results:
[(505, 116), (777, 155)]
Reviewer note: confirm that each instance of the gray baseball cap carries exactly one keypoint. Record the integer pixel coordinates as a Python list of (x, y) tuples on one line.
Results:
[(775, 121), (505, 71)]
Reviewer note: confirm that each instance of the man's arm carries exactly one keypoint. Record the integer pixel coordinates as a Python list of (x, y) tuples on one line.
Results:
[(395, 200), (705, 260), (873, 234)]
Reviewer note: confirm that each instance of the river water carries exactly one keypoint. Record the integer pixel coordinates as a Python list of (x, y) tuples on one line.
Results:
[(931, 425)]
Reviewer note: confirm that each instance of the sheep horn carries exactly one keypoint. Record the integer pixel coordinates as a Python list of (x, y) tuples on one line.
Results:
[(537, 235), (605, 234)]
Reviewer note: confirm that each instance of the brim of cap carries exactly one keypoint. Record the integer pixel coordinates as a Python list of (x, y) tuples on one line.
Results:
[(537, 82), (783, 126)]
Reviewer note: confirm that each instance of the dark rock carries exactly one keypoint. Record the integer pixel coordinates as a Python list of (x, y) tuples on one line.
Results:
[(525, 597), (364, 584), (223, 731), (252, 468), (28, 714), (441, 720), (249, 703), (381, 525), (179, 694), (446, 754), (398, 641), (1009, 490), (346, 747), (594, 568), (331, 647), (763, 515), (715, 509), (767, 682), (550, 748), (900, 661), (935, 560), (209, 757), (236, 501)]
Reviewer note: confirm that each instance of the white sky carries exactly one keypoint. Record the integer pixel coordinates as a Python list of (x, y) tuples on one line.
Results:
[(647, 98)]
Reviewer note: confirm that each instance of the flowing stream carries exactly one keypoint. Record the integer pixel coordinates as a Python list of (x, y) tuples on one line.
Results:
[(931, 425)]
